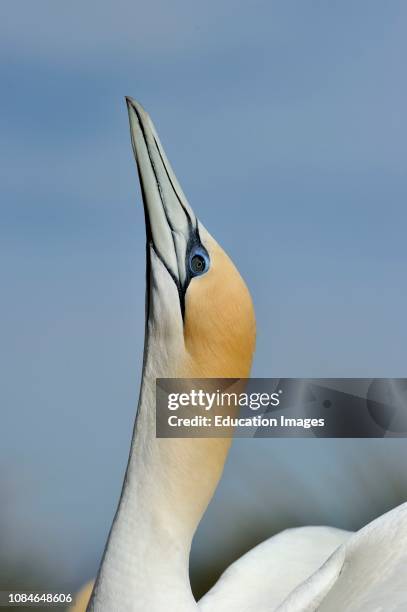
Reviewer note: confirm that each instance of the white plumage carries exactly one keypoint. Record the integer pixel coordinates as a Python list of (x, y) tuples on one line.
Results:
[(201, 324)]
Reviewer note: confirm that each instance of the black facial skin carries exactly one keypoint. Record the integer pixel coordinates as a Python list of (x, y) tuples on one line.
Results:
[(197, 261)]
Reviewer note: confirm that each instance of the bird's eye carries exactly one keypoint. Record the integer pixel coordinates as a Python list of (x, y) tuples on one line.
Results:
[(198, 262)]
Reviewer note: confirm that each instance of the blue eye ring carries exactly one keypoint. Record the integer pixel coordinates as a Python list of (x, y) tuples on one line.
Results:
[(198, 261)]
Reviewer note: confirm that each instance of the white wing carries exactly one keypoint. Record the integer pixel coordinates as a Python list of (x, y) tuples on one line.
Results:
[(365, 571), (373, 577), (262, 579)]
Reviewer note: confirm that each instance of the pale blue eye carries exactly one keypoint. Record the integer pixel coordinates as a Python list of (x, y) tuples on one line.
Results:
[(198, 261)]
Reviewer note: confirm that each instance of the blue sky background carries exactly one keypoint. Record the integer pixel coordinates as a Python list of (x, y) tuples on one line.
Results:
[(285, 124)]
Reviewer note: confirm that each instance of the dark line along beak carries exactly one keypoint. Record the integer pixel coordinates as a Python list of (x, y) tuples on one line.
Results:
[(170, 222)]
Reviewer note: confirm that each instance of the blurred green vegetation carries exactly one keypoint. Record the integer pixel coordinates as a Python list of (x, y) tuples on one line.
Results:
[(27, 576), (21, 572)]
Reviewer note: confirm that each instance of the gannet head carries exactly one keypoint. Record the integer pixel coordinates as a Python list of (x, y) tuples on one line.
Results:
[(199, 324), (200, 317)]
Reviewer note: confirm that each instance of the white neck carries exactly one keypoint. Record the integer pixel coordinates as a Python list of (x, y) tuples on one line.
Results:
[(167, 486)]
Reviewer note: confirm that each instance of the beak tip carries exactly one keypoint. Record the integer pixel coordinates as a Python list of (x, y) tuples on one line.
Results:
[(133, 105)]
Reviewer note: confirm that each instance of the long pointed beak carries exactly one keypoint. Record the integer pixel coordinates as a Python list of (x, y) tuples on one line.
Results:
[(170, 222)]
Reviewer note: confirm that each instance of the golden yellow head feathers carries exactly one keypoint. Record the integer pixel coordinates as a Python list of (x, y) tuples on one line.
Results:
[(219, 326)]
